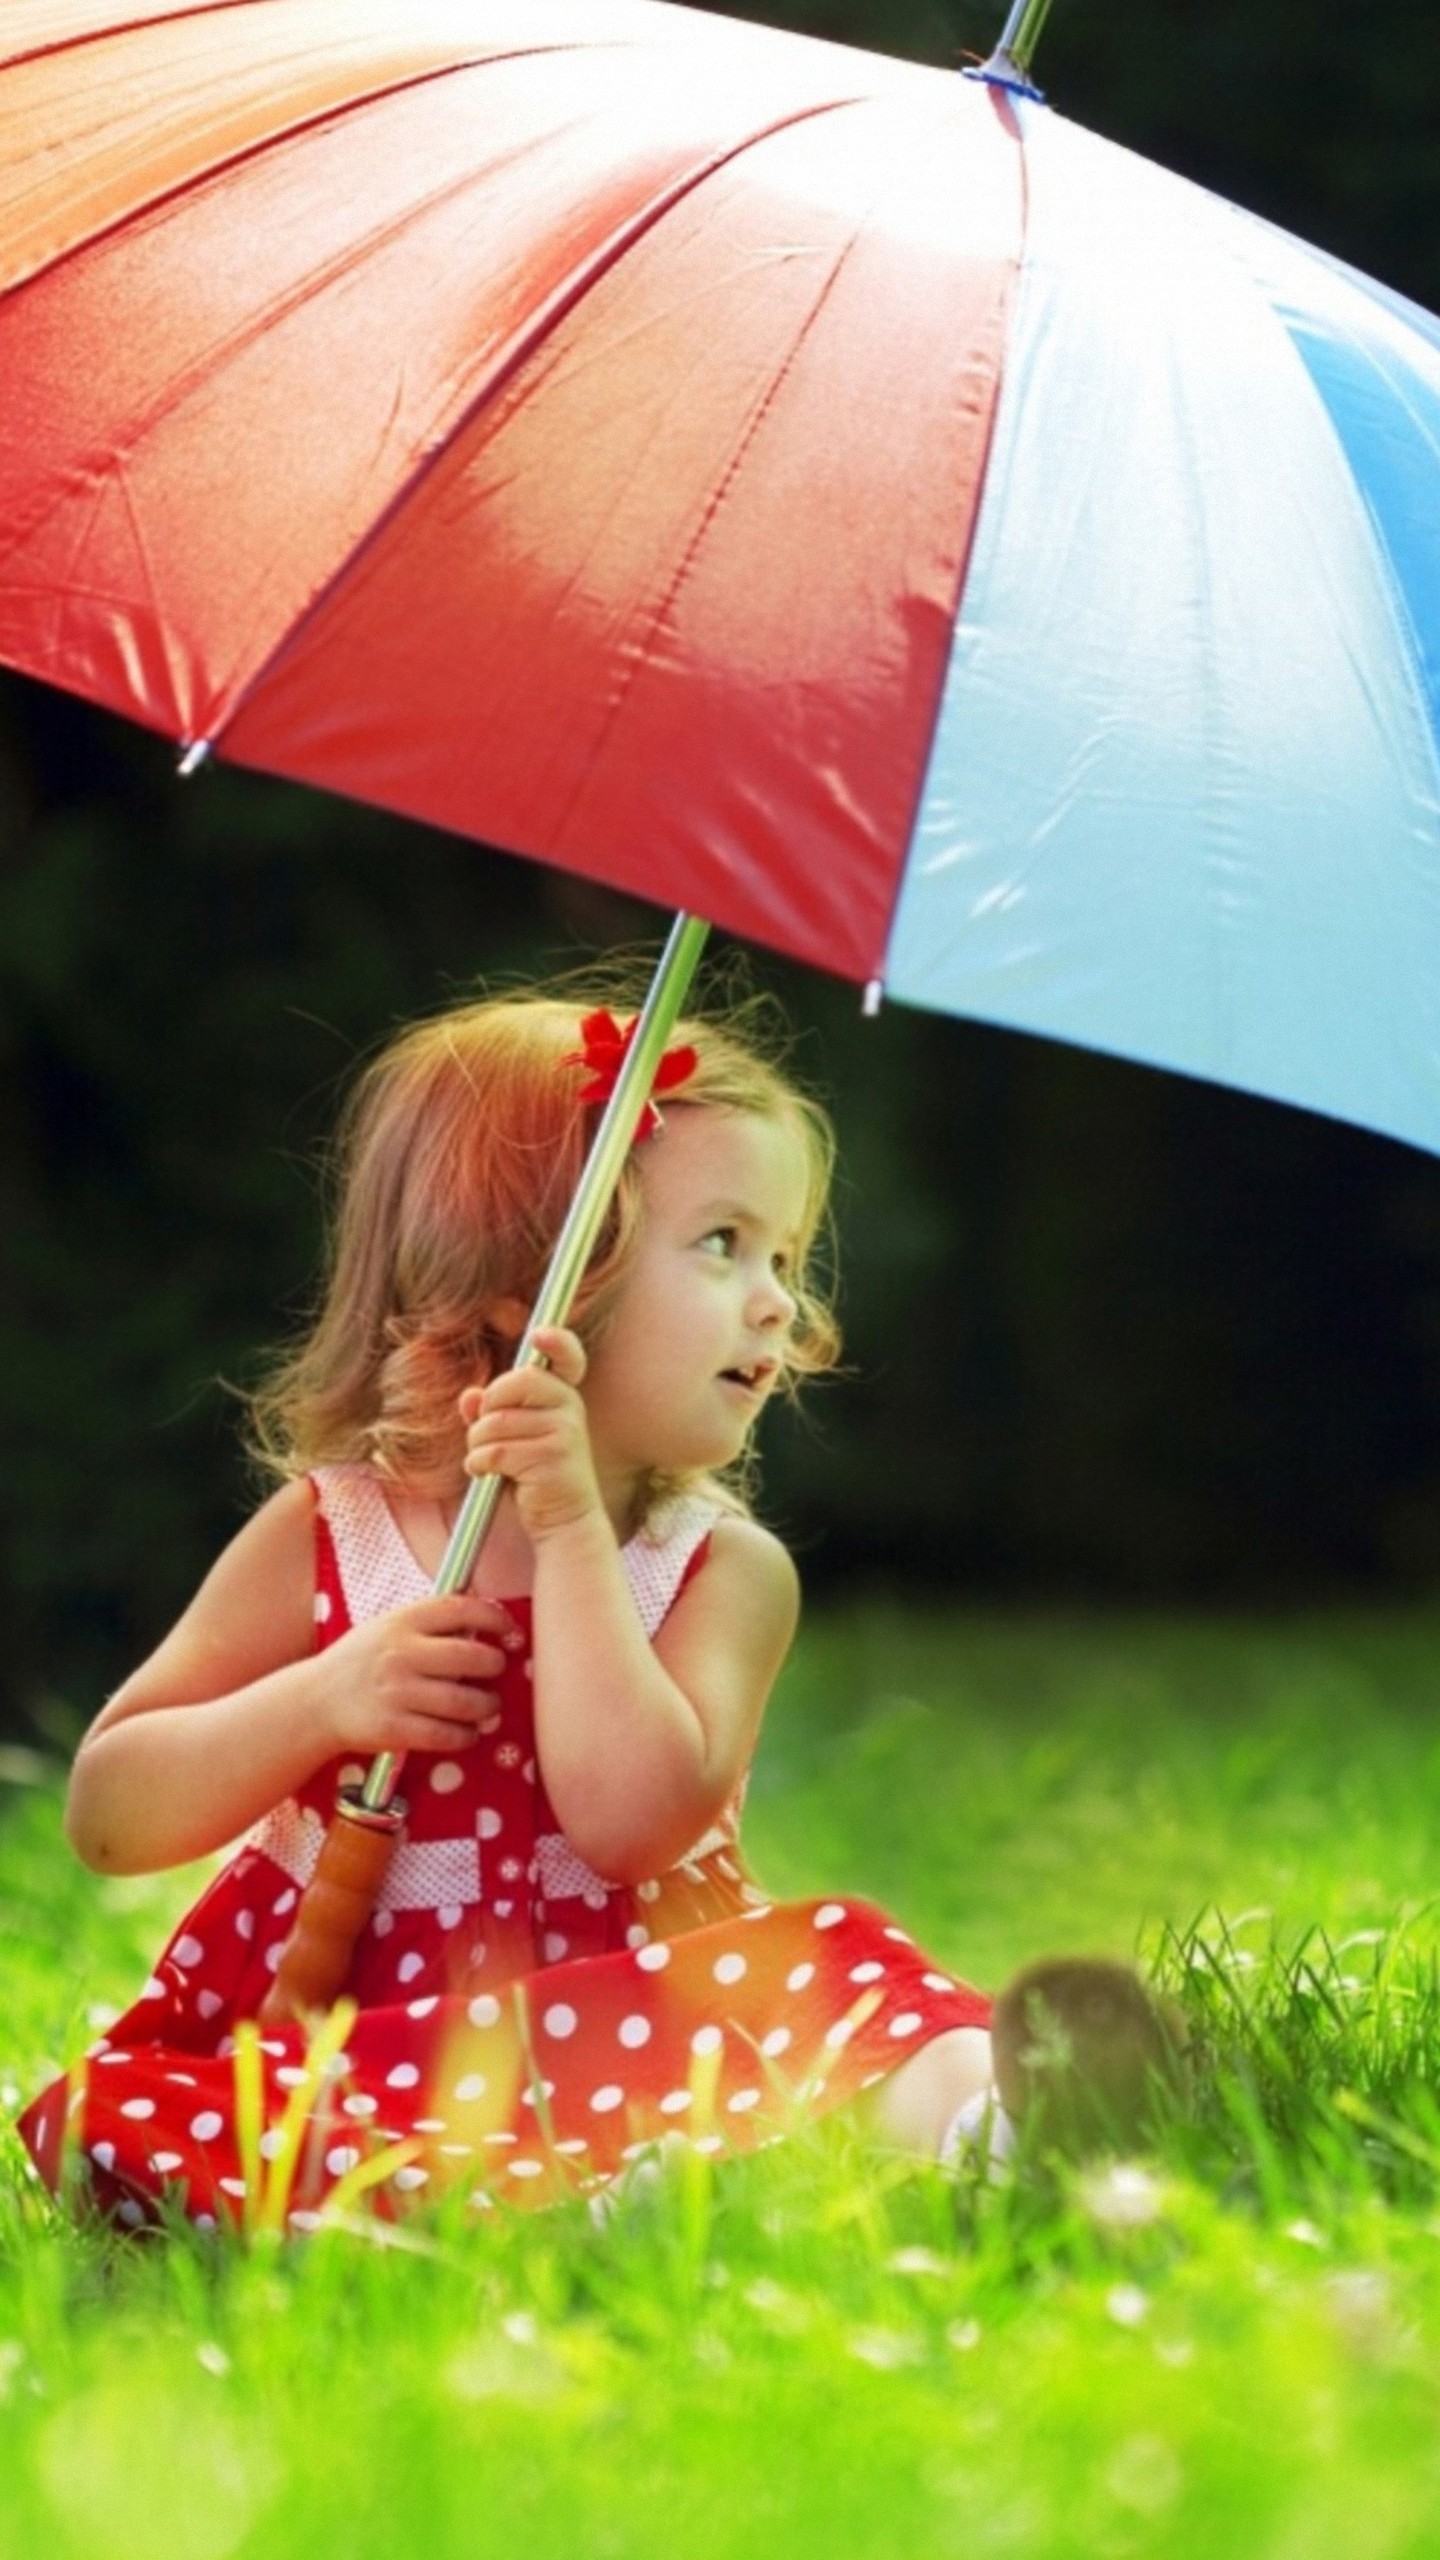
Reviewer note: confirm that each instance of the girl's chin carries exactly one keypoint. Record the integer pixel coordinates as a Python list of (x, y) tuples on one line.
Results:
[(700, 1462), (702, 1444), (704, 1453)]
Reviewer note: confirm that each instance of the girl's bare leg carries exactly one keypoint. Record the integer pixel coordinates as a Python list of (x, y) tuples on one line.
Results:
[(912, 2109)]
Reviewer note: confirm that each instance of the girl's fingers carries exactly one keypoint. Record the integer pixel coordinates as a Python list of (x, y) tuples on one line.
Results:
[(565, 1352), (453, 1703), (496, 1461), (456, 1613), (504, 1457), (462, 1658), (519, 1422), (433, 1733), (457, 1700), (562, 1370), (526, 1390)]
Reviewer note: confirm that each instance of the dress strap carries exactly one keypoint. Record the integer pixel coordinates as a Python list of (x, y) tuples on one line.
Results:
[(377, 1571), (659, 1559)]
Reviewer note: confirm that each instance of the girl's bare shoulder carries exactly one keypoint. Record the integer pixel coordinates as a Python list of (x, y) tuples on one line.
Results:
[(750, 1567), (253, 1613), (272, 1555)]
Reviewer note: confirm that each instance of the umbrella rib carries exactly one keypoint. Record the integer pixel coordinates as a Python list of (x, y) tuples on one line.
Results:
[(121, 27), (556, 307), (182, 381), (238, 159), (759, 412), (1004, 108)]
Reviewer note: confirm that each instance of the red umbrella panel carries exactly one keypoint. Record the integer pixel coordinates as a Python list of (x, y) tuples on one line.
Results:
[(564, 424)]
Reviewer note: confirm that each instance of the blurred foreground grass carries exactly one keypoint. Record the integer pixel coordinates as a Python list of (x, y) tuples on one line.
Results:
[(1234, 2347)]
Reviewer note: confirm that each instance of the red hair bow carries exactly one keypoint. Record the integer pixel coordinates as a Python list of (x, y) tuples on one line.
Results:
[(604, 1054)]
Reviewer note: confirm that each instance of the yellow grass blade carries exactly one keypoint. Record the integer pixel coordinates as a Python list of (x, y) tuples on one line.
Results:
[(347, 2191), (328, 2039), (249, 2117)]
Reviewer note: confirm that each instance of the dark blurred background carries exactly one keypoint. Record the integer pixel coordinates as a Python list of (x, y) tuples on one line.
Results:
[(1111, 1334)]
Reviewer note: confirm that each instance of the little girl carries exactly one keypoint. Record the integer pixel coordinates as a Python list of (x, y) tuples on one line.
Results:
[(567, 1959)]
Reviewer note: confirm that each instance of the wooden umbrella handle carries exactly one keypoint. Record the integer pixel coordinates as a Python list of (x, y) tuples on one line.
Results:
[(334, 1908)]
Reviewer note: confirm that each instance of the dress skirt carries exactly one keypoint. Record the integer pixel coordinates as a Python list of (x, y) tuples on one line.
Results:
[(521, 2027)]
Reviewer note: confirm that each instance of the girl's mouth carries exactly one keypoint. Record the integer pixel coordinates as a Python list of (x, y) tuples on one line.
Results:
[(753, 1376)]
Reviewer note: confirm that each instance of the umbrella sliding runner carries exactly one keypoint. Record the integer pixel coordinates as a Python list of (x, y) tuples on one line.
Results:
[(341, 1895)]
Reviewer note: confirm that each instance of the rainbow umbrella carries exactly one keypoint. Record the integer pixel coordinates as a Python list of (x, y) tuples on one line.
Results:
[(839, 499)]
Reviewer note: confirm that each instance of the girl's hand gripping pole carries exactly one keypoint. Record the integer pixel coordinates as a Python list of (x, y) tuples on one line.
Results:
[(350, 1871)]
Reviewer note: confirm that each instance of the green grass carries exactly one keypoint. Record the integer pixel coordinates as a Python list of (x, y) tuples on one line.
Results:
[(1233, 2349)]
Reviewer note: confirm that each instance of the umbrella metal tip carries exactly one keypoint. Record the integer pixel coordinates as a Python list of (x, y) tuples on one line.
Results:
[(871, 1000), (192, 758), (1009, 64), (1002, 71)]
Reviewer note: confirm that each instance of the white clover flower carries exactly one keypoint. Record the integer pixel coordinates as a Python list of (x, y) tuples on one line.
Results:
[(1306, 2234), (1127, 2305), (886, 2348), (1123, 2196), (918, 2262)]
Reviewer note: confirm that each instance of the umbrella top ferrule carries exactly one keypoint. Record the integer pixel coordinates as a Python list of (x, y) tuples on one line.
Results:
[(1009, 64), (1002, 71)]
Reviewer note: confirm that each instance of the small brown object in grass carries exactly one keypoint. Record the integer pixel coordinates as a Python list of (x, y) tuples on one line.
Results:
[(1083, 2051)]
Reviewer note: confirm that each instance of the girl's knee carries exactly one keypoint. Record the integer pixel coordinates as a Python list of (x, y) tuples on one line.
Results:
[(913, 2107)]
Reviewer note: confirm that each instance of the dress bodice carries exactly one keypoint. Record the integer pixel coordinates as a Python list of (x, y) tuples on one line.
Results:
[(379, 1571), (482, 1855)]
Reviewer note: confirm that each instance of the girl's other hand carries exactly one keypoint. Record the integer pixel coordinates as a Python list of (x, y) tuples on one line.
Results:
[(420, 1678), (529, 1426)]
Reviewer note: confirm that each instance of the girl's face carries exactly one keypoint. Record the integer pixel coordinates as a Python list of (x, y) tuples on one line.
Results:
[(694, 1345)]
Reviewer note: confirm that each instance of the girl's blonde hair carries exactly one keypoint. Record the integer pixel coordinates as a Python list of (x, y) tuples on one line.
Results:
[(456, 1158)]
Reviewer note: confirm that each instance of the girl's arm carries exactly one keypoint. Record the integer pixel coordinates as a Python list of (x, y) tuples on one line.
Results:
[(235, 1709), (640, 1744)]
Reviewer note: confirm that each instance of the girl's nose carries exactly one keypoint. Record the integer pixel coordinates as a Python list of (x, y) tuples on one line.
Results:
[(773, 1304)]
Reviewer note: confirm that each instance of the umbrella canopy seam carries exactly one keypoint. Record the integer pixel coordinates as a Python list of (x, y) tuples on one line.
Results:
[(760, 411), (247, 154), (556, 307), (1002, 92), (126, 26)]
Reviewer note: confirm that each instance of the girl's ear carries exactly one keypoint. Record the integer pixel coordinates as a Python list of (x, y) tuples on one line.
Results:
[(508, 1317)]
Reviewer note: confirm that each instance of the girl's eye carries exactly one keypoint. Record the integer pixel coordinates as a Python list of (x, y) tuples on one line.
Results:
[(720, 1241)]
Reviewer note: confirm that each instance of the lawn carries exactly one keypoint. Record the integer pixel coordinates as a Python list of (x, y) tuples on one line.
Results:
[(1232, 2348)]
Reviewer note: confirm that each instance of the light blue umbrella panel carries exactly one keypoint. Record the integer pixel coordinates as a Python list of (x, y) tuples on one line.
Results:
[(1183, 799)]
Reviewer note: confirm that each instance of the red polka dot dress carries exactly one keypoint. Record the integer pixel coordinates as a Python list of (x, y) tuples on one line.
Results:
[(523, 2027)]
